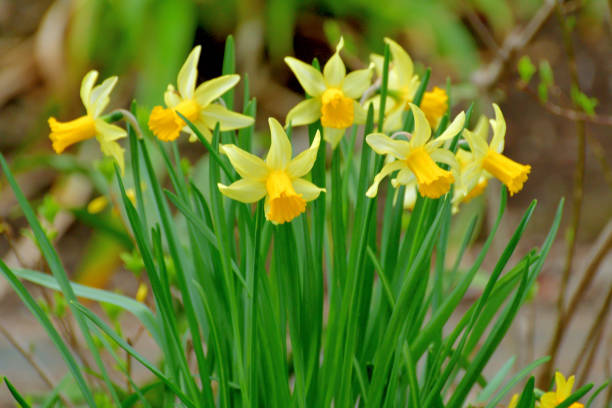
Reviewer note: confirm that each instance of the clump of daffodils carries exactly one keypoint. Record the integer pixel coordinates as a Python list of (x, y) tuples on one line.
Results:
[(423, 159)]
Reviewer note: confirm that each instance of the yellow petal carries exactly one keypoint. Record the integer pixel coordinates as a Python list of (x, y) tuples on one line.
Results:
[(433, 181), (478, 146), (228, 120), (337, 110), (499, 130), (564, 388), (308, 76), (245, 163), (509, 172), (284, 202), (244, 190), (435, 105), (86, 86), (280, 152), (450, 132), (189, 74), (446, 157), (482, 128), (384, 172), (114, 150), (333, 136), (308, 190), (100, 96), (65, 134), (213, 89), (359, 114), (378, 61), (304, 113), (422, 131), (97, 205), (108, 132), (383, 144), (357, 82), (334, 70), (171, 97), (303, 162), (548, 400), (401, 62)]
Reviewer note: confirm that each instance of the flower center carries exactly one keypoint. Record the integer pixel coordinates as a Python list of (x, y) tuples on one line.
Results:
[(337, 111), (434, 105), (64, 134), (285, 203), (509, 172), (433, 181), (167, 125)]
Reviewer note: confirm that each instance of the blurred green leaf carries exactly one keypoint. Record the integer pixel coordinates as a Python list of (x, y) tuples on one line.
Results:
[(526, 69), (546, 73)]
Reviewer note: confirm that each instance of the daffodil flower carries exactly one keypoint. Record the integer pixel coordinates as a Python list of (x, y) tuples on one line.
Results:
[(416, 159), (195, 104), (333, 93), (278, 178), (486, 159), (95, 99), (563, 390), (465, 158), (402, 85)]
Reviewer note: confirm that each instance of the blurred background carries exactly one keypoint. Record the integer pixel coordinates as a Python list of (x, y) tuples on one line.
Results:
[(46, 46)]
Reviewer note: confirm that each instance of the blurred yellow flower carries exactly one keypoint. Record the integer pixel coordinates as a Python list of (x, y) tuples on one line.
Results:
[(141, 294), (402, 85), (97, 205), (435, 105), (278, 178), (195, 104), (95, 99), (563, 390), (416, 159), (513, 401), (486, 159), (333, 93)]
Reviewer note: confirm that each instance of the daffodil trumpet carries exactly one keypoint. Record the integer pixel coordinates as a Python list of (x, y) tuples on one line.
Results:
[(278, 179)]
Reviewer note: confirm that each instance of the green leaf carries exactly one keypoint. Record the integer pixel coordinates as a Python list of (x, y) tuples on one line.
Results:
[(20, 400), (526, 69), (546, 73)]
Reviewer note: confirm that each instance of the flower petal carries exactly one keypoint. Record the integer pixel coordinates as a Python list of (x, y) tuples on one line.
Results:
[(395, 118), (246, 164), (402, 63), (304, 113), (210, 90), (478, 146), (171, 97), (188, 74), (86, 86), (280, 152), (384, 172), (308, 190), (113, 149), (333, 136), (383, 144), (108, 132), (405, 177), (244, 190), (303, 162), (422, 131), (357, 82), (499, 130), (359, 113), (451, 131), (446, 157), (308, 76), (100, 96), (334, 70), (378, 61), (227, 119)]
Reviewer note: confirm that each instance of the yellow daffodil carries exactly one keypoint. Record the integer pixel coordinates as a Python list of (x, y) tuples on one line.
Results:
[(95, 99), (333, 93), (278, 178), (402, 85), (486, 159), (465, 158), (416, 159), (563, 390), (195, 104)]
